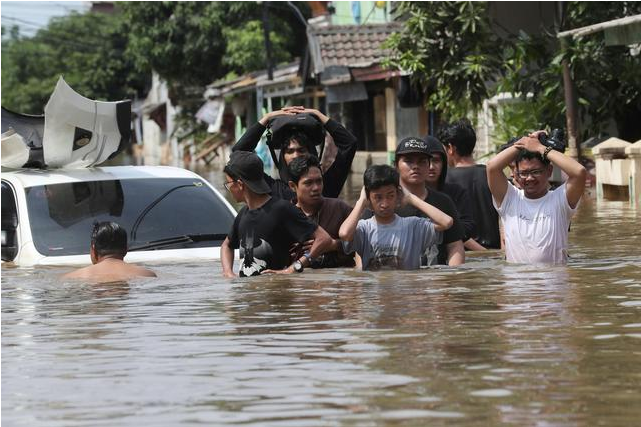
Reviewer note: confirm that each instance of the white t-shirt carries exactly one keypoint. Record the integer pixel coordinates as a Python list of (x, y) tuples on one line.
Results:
[(536, 230)]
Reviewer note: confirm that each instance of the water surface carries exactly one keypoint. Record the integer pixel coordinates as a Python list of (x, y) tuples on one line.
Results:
[(485, 344)]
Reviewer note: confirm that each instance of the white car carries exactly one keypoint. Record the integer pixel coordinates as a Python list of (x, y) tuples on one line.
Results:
[(52, 191), (169, 214)]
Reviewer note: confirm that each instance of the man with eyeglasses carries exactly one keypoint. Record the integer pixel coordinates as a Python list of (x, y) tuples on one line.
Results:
[(266, 227), (535, 219)]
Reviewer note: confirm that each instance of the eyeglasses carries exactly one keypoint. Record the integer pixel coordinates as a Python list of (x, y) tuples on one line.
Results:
[(534, 173), (228, 184)]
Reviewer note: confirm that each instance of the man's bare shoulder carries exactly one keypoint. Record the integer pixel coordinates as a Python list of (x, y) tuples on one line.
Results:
[(141, 271), (81, 273), (108, 271)]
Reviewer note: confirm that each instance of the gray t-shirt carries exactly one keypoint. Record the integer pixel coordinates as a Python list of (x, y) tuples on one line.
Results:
[(398, 245)]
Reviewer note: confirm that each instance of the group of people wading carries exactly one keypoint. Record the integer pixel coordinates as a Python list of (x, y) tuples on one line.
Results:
[(434, 204), (431, 206)]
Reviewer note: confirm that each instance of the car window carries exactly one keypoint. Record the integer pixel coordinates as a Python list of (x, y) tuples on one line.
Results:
[(150, 209)]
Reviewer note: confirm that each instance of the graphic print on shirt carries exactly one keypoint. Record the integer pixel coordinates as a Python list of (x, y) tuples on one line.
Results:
[(257, 253), (385, 258)]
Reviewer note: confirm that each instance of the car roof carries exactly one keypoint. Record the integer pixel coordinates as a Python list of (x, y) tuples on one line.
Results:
[(35, 177)]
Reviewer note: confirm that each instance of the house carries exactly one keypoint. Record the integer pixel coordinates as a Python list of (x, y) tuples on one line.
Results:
[(343, 75)]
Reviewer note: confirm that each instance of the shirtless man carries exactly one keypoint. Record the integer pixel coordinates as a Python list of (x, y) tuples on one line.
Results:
[(108, 249)]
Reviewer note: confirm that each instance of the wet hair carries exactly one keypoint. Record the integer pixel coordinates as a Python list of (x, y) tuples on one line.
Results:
[(377, 176), (109, 238), (301, 165), (459, 134), (529, 155)]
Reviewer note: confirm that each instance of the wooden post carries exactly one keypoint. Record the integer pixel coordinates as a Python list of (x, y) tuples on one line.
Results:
[(390, 121), (569, 93)]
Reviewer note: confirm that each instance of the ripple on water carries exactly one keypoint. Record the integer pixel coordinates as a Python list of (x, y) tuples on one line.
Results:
[(491, 392), (636, 303)]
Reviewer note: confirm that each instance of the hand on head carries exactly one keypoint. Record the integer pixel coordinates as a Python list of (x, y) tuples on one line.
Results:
[(529, 143)]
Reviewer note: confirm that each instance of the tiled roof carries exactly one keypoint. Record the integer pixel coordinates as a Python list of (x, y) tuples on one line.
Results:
[(350, 45)]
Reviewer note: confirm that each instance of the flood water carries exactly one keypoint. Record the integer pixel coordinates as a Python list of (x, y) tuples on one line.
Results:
[(485, 344)]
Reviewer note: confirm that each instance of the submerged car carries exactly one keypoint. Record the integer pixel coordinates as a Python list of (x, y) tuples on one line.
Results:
[(169, 214), (52, 191)]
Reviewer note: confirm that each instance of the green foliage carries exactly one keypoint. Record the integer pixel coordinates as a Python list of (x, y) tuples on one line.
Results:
[(458, 62), (87, 49), (451, 52), (246, 47), (195, 43), (606, 78), (191, 44)]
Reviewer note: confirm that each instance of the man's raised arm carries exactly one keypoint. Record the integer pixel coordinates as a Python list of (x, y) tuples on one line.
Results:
[(496, 179)]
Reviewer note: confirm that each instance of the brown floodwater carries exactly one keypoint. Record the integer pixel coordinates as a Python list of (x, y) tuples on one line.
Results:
[(485, 344)]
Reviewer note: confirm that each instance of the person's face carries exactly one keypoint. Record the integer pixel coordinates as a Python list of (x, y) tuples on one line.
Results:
[(413, 168), (293, 150), (309, 189), (384, 201), (434, 170), (235, 188), (532, 175)]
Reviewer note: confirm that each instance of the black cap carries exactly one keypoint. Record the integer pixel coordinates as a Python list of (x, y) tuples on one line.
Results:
[(412, 145), (249, 168)]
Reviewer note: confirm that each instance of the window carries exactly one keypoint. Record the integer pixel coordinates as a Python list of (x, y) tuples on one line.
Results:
[(150, 209)]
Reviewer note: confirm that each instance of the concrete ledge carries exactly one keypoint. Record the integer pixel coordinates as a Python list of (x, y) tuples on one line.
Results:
[(634, 150), (610, 148)]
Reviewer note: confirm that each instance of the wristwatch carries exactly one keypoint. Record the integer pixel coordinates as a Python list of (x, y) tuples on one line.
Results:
[(546, 152), (298, 266)]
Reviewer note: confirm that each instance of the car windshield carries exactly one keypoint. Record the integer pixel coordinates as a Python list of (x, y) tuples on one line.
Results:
[(171, 210)]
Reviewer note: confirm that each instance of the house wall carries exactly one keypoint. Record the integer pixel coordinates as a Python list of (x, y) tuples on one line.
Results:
[(344, 14)]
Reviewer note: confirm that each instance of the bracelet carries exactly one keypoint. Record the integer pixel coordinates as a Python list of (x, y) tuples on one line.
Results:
[(546, 152)]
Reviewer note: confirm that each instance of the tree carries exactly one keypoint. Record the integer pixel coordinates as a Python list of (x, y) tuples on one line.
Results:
[(191, 44), (195, 43), (607, 78), (451, 52), (246, 47), (88, 50)]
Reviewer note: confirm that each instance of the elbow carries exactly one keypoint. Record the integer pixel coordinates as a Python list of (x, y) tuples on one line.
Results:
[(490, 166), (444, 225), (344, 235), (582, 173), (448, 223)]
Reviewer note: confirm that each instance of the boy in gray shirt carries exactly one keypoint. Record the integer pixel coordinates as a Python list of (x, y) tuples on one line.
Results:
[(387, 240)]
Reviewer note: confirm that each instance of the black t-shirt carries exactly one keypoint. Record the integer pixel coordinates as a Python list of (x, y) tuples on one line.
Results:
[(463, 203), (474, 179), (266, 234)]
